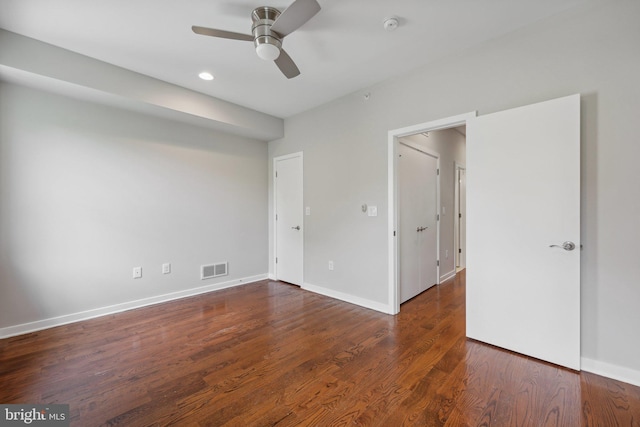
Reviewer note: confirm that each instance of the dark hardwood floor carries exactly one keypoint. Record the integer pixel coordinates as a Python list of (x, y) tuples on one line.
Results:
[(269, 354)]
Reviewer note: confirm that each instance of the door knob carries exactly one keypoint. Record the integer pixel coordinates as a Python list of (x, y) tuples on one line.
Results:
[(297, 227), (567, 246), (419, 229)]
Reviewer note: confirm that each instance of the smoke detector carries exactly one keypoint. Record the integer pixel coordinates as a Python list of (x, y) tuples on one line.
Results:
[(391, 23)]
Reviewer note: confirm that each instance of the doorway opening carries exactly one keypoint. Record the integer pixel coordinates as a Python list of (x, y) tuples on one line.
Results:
[(395, 138)]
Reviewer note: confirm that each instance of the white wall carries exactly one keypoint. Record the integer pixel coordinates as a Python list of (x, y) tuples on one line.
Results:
[(450, 145), (88, 192), (591, 50)]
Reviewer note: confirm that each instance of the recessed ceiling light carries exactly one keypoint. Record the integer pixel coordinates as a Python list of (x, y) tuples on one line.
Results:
[(205, 76)]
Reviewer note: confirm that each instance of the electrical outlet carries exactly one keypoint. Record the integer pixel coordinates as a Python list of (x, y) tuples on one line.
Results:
[(137, 272), (166, 268), (331, 265)]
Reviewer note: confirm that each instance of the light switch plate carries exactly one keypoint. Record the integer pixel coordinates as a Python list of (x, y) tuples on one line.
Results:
[(307, 211), (372, 211)]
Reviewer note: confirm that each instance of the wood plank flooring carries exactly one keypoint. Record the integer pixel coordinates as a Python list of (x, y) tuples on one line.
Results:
[(270, 354)]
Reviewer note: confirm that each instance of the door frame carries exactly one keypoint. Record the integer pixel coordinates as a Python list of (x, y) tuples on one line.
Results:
[(436, 156), (275, 210), (392, 185), (457, 167)]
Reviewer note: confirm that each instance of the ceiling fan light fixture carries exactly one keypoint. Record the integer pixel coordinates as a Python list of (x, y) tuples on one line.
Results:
[(267, 51), (268, 29)]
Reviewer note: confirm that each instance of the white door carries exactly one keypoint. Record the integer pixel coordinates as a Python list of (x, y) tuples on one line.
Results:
[(289, 218), (417, 187), (523, 203)]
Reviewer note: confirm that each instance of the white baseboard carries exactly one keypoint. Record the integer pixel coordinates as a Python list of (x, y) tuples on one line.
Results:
[(362, 302), (609, 370), (38, 325), (448, 276)]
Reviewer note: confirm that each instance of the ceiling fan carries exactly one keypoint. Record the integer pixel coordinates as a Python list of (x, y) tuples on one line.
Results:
[(270, 27)]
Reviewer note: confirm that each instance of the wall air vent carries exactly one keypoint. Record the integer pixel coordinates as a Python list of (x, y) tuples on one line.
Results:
[(214, 270)]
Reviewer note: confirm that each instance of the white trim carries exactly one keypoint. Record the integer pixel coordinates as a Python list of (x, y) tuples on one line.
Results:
[(392, 177), (448, 276), (609, 370), (362, 302), (300, 154), (38, 325), (456, 214)]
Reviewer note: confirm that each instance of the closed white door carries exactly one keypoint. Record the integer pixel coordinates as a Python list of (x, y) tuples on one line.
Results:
[(289, 231), (523, 205), (417, 187)]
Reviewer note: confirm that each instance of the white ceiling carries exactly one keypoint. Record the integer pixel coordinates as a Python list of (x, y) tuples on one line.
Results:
[(344, 48)]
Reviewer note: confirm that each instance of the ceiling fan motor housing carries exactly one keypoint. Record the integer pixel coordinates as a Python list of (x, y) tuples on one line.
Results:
[(267, 42)]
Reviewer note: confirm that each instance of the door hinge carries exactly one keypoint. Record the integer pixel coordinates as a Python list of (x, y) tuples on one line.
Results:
[(276, 174), (459, 250), (438, 263), (438, 217), (276, 260), (459, 215), (438, 170), (394, 233)]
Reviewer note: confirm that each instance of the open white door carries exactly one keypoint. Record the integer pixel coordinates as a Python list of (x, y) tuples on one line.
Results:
[(523, 204), (289, 218)]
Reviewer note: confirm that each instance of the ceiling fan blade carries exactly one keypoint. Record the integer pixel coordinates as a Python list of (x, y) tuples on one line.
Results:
[(221, 33), (293, 17), (286, 65)]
